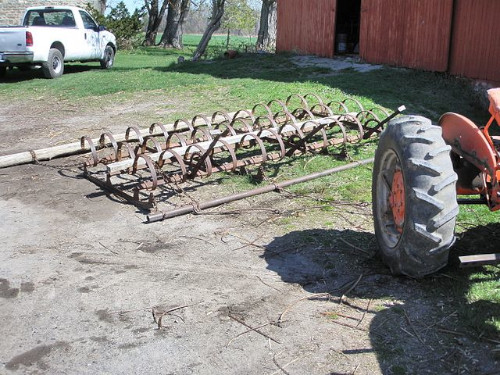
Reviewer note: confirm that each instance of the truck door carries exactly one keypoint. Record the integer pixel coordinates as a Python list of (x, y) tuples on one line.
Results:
[(91, 35)]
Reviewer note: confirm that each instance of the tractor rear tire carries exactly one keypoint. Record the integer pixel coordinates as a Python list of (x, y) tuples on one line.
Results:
[(414, 197)]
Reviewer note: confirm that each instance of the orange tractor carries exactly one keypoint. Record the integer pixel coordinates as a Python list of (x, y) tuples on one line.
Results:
[(419, 170)]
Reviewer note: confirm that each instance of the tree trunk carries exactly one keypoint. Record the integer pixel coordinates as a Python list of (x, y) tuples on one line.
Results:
[(155, 16), (102, 6), (213, 26), (266, 39), (176, 15)]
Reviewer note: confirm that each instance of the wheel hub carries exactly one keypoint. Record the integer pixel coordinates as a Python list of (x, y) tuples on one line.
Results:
[(397, 200)]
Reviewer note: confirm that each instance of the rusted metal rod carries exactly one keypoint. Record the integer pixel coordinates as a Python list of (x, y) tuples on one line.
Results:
[(209, 150), (381, 124), (265, 189)]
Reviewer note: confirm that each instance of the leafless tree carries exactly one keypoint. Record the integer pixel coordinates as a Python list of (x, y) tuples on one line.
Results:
[(266, 39), (101, 6), (176, 15), (213, 26), (156, 11)]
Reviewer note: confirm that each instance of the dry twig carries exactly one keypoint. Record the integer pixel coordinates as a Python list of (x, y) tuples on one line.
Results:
[(364, 312), (245, 332), (253, 329), (348, 325), (350, 289), (289, 307), (161, 314), (270, 286), (248, 243), (107, 248), (278, 365), (355, 247), (410, 323), (198, 238)]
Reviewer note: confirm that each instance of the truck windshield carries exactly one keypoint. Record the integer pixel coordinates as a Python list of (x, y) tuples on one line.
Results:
[(50, 17)]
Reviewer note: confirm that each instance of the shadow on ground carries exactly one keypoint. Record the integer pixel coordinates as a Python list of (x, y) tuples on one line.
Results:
[(418, 93), (415, 326), (18, 75)]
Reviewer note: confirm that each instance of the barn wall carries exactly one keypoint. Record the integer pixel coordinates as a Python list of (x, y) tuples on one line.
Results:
[(413, 34), (458, 36), (475, 51), (306, 27)]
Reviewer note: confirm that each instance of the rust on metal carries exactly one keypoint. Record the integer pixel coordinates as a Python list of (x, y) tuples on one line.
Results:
[(265, 189), (475, 152), (143, 165), (397, 199)]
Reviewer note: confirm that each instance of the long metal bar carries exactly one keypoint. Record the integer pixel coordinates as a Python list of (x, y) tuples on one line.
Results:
[(479, 260), (265, 189)]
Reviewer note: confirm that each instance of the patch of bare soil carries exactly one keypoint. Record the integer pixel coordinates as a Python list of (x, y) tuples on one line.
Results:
[(261, 286), (48, 122)]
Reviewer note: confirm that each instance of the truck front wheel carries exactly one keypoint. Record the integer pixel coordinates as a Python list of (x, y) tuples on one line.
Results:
[(54, 67), (414, 197), (109, 58)]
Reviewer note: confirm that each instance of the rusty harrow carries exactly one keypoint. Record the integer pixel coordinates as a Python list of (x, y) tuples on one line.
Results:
[(145, 166)]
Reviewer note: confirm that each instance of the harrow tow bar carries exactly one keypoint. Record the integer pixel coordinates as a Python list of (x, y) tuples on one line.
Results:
[(265, 189), (380, 125)]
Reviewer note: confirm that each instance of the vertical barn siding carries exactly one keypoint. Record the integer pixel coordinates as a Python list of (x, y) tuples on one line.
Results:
[(475, 50), (306, 26), (410, 33)]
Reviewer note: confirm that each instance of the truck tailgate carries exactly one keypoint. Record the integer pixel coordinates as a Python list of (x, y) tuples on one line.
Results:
[(12, 39)]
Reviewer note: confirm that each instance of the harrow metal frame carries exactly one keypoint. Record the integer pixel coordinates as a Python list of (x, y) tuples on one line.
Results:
[(134, 166)]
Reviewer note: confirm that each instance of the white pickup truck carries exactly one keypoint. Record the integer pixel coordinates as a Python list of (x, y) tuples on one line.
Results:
[(49, 36)]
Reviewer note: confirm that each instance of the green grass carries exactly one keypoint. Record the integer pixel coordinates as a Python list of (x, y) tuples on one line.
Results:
[(242, 82), (222, 84)]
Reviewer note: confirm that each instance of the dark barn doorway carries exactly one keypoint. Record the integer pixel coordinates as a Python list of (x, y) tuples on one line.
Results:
[(347, 26)]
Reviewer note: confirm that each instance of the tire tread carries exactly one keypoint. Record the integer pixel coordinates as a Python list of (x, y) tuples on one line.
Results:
[(430, 197)]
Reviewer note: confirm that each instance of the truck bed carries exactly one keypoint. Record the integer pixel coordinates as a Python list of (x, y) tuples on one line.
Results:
[(12, 38)]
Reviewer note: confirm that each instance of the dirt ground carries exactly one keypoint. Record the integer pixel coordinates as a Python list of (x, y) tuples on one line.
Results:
[(87, 287)]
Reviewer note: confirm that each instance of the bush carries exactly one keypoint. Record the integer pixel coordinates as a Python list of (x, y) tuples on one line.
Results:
[(120, 22)]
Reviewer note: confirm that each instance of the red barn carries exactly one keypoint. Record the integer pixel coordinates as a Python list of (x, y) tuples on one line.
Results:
[(455, 36)]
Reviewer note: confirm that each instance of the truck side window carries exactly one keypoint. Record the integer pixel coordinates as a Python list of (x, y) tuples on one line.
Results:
[(68, 20), (88, 22)]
